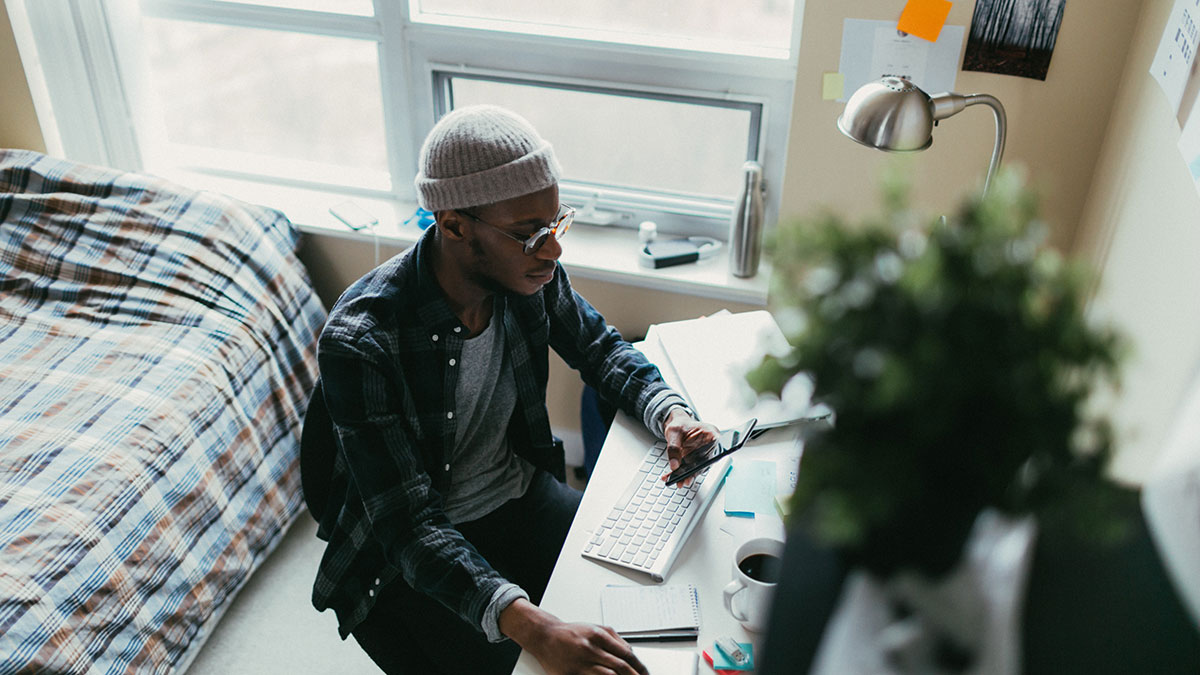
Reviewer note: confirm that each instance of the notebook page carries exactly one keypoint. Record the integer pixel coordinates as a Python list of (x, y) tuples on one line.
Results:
[(634, 609)]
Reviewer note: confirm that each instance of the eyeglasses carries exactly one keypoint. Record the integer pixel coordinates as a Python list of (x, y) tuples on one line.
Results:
[(557, 227)]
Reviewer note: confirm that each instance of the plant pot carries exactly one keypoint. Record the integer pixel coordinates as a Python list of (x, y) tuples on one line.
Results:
[(967, 621)]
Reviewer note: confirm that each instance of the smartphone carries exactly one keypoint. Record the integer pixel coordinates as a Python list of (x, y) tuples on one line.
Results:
[(728, 442), (353, 215)]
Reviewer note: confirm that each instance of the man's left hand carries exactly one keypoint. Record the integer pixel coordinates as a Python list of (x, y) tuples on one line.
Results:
[(684, 434)]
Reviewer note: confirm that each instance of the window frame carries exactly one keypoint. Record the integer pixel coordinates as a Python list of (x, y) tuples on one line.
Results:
[(625, 206), (92, 110)]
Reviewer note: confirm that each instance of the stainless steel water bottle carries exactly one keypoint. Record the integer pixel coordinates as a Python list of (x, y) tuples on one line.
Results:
[(745, 230)]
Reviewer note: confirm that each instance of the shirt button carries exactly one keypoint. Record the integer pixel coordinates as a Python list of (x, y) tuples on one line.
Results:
[(458, 329), (371, 593), (377, 582), (435, 338), (447, 467), (452, 362), (450, 415)]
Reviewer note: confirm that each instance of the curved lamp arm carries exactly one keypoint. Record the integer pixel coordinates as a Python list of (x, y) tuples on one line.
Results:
[(947, 104), (895, 115)]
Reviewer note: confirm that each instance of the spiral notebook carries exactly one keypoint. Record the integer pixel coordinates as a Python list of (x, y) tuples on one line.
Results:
[(668, 612)]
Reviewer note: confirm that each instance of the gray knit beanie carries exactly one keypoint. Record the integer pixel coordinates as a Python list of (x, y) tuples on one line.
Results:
[(479, 155)]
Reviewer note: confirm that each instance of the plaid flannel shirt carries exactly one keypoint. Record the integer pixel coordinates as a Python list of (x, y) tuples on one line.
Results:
[(387, 359)]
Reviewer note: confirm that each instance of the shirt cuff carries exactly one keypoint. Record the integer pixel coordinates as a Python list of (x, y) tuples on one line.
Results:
[(656, 411), (504, 596)]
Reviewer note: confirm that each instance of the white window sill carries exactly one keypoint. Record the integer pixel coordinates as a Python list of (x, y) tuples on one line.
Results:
[(592, 252)]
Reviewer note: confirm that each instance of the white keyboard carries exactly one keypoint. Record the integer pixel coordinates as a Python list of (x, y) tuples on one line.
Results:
[(649, 523)]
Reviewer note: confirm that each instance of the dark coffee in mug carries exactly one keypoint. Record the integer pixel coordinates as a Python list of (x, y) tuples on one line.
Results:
[(762, 567)]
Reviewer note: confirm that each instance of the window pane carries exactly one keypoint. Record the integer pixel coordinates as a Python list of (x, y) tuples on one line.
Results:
[(746, 26), (627, 141), (358, 7), (282, 95)]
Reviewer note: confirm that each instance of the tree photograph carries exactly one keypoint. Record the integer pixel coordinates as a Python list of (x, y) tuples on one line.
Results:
[(1013, 37)]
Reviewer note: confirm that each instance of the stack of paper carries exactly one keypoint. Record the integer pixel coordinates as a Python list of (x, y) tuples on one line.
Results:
[(710, 358)]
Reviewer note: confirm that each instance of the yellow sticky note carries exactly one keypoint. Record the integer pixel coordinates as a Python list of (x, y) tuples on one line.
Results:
[(833, 85), (924, 18)]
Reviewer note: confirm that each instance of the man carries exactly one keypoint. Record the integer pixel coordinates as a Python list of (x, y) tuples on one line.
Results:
[(442, 518)]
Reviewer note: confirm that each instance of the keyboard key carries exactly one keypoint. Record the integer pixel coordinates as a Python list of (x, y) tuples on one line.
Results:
[(624, 499)]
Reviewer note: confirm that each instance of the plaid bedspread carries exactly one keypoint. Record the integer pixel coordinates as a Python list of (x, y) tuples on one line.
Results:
[(157, 346)]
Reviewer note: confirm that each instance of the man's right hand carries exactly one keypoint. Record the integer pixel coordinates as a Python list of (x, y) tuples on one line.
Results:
[(568, 648)]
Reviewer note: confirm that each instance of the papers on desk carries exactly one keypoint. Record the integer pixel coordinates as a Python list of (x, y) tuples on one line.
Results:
[(710, 357), (661, 661)]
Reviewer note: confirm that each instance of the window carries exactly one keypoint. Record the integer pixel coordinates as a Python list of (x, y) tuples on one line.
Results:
[(652, 107), (313, 109)]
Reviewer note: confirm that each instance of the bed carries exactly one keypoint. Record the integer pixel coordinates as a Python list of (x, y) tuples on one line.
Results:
[(157, 349)]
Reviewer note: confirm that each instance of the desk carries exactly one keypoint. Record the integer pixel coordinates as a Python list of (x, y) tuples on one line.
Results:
[(573, 593)]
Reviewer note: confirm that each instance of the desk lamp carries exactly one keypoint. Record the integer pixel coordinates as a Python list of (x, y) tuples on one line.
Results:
[(894, 114)]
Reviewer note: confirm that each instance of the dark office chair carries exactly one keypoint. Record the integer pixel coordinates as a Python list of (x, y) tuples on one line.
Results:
[(318, 447)]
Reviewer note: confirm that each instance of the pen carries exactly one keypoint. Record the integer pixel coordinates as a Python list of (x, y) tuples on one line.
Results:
[(662, 637)]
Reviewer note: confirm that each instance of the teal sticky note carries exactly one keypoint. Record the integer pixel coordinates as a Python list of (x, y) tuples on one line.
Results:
[(750, 488), (722, 662)]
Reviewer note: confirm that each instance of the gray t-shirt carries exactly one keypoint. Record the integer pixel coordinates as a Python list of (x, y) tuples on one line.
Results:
[(486, 473)]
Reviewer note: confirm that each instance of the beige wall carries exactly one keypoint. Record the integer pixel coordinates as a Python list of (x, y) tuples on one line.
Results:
[(18, 121), (1054, 127), (1142, 226)]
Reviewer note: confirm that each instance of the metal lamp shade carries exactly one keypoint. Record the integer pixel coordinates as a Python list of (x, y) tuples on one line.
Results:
[(891, 114)]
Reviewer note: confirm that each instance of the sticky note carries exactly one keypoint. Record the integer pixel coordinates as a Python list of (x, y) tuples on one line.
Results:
[(924, 18), (750, 488), (709, 660), (833, 86)]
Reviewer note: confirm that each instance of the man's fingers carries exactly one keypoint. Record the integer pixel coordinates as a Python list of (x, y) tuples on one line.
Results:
[(617, 654)]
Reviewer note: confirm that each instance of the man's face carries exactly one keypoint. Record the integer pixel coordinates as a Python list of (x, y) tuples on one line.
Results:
[(499, 262)]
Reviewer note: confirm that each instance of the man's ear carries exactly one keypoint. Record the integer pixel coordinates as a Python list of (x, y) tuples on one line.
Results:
[(450, 222)]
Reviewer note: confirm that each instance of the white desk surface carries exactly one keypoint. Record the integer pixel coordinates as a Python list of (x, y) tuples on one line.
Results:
[(706, 561)]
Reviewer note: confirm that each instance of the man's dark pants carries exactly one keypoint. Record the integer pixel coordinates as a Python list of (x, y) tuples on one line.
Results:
[(409, 632)]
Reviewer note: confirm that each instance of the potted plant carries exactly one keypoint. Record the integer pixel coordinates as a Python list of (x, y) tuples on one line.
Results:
[(957, 358)]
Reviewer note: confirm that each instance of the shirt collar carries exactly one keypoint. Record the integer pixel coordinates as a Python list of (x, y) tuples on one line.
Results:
[(432, 307)]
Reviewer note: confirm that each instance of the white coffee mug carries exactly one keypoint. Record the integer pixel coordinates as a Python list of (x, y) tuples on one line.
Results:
[(757, 564)]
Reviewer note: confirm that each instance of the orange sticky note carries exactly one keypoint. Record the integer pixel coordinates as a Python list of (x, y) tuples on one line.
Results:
[(924, 18)]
